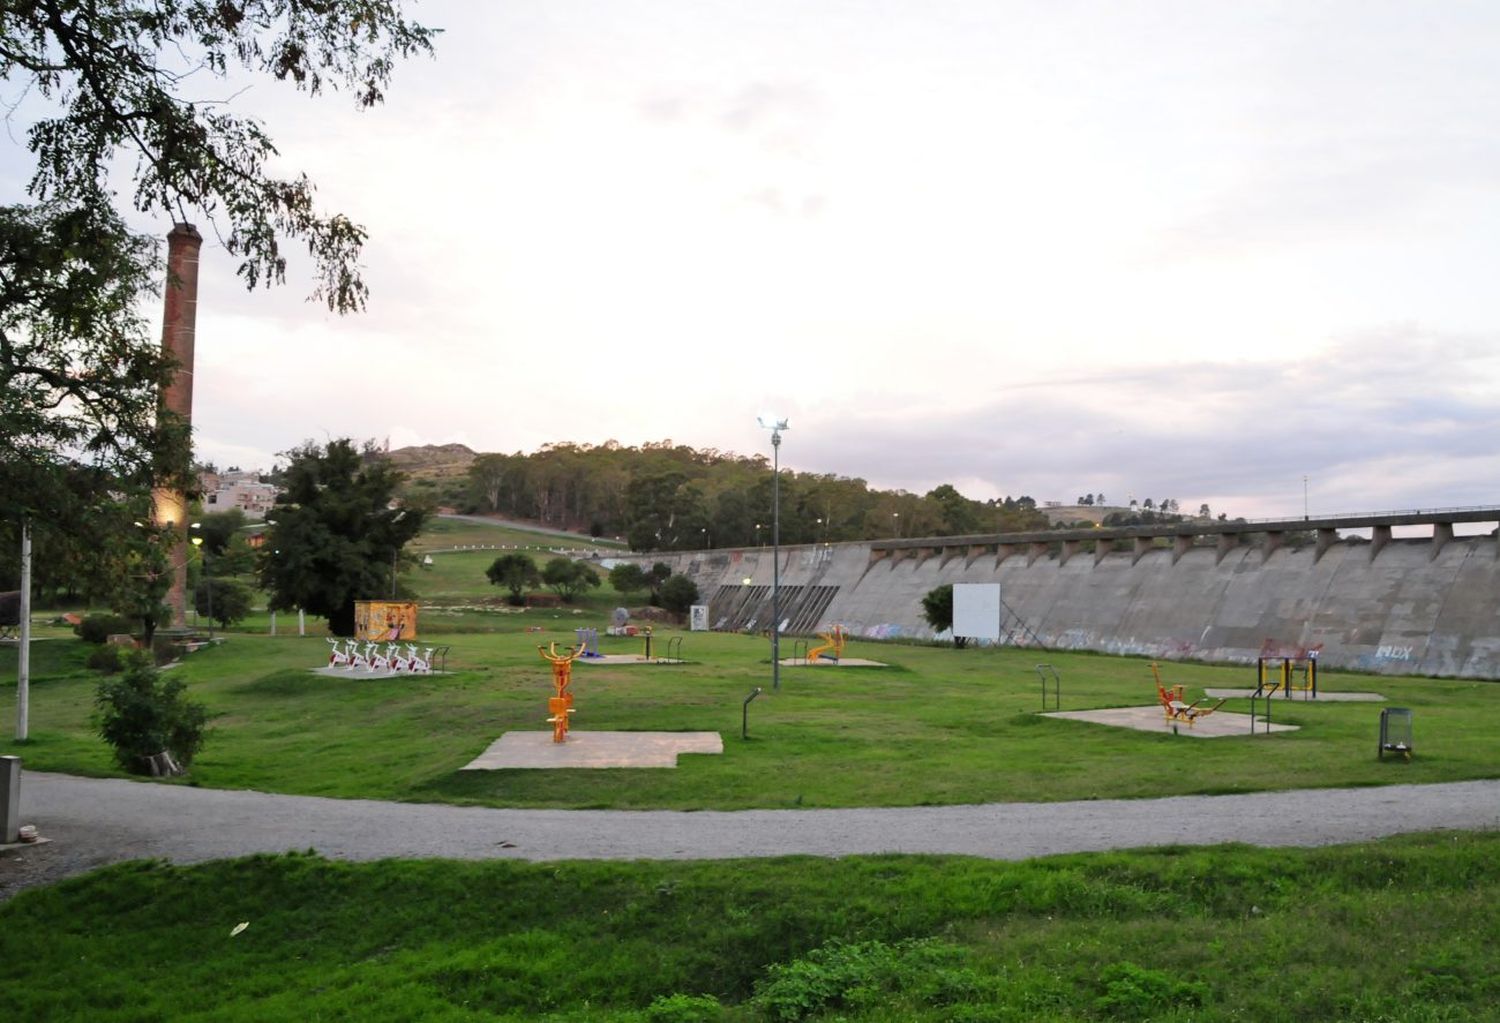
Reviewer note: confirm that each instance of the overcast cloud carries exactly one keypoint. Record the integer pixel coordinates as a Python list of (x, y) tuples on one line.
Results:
[(1151, 249)]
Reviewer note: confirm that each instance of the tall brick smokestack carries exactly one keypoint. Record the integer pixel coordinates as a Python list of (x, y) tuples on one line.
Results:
[(179, 324)]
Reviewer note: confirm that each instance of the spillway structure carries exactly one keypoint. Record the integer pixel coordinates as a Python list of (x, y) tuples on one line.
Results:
[(1389, 593)]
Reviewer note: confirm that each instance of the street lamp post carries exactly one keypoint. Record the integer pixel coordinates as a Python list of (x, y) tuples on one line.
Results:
[(775, 425), (208, 583), (1304, 497), (896, 524)]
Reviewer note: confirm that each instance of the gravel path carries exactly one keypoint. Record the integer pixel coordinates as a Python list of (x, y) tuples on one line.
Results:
[(96, 821)]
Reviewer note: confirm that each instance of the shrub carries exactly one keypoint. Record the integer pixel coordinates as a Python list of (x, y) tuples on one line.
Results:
[(142, 717), (1134, 992), (678, 594), (229, 601), (105, 659), (684, 1009), (866, 975), (98, 628)]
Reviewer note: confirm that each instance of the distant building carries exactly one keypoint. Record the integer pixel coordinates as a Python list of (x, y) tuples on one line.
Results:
[(237, 489)]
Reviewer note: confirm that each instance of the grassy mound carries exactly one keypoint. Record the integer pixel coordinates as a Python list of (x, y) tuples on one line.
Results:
[(1396, 930)]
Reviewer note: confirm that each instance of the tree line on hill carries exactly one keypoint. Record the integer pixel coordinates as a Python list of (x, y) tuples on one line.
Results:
[(664, 496)]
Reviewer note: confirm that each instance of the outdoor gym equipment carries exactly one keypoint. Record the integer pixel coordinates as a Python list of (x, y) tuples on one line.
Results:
[(1286, 674), (1044, 670), (1176, 709), (588, 642), (647, 634), (833, 640), (674, 648), (336, 656), (1395, 733), (561, 705)]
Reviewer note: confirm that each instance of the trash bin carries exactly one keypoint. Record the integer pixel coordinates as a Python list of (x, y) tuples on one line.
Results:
[(1395, 733)]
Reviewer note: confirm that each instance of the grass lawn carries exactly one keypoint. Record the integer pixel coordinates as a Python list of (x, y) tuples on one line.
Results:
[(938, 726), (443, 533), (1402, 929)]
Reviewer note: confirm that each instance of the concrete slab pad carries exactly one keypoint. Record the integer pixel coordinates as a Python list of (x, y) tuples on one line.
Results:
[(1218, 725), (593, 749), (627, 659), (1323, 696), (342, 672), (842, 662)]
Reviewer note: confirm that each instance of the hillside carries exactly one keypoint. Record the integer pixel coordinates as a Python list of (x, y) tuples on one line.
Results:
[(433, 461)]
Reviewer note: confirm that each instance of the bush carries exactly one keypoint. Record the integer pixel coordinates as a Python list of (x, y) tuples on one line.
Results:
[(229, 601), (681, 1008), (866, 976), (1134, 992), (98, 628), (105, 659), (678, 594), (142, 717)]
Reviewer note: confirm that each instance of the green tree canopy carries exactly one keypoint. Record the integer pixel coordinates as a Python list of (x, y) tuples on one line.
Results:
[(117, 88), (334, 535), (568, 578), (678, 594), (937, 608), (627, 577), (222, 600), (515, 572)]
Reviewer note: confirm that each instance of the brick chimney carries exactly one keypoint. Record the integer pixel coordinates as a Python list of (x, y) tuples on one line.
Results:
[(179, 323)]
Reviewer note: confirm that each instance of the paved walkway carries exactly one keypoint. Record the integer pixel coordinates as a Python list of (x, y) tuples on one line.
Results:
[(97, 821)]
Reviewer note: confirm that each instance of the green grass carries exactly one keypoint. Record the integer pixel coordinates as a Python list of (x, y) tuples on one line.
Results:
[(937, 727), (1402, 929), (440, 533)]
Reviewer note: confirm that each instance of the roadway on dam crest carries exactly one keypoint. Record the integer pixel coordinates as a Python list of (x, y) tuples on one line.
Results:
[(92, 822)]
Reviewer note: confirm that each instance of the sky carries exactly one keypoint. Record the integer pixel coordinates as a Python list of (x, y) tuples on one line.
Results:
[(1237, 254)]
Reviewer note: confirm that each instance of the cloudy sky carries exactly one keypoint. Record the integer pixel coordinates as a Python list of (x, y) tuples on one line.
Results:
[(1151, 249)]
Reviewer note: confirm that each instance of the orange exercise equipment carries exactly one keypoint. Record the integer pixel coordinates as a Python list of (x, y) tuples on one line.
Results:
[(561, 705), (834, 640), (1176, 709)]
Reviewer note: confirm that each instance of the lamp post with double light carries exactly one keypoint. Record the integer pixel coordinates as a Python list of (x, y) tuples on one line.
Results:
[(775, 424)]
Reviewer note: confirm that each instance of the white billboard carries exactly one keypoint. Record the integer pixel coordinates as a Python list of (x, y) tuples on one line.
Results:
[(976, 611)]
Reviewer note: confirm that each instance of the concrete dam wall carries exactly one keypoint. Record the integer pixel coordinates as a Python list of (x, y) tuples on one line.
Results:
[(1393, 606)]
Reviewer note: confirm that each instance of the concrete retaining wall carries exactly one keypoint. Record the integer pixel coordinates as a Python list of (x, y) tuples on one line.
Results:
[(1409, 609)]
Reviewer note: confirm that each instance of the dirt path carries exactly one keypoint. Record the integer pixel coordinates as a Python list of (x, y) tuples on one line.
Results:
[(96, 821)]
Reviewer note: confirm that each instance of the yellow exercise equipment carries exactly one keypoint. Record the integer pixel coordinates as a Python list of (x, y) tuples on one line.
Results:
[(1176, 709), (561, 705), (834, 640)]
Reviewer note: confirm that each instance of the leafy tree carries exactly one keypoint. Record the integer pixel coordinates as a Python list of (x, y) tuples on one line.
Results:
[(678, 594), (79, 376), (80, 369), (223, 600), (335, 537), (568, 578), (124, 77), (659, 574), (150, 725), (515, 572), (937, 608), (218, 529), (628, 577)]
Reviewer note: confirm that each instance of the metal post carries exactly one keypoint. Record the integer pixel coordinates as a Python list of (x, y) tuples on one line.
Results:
[(10, 799), (776, 559), (301, 622), (23, 655), (745, 713), (209, 580)]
